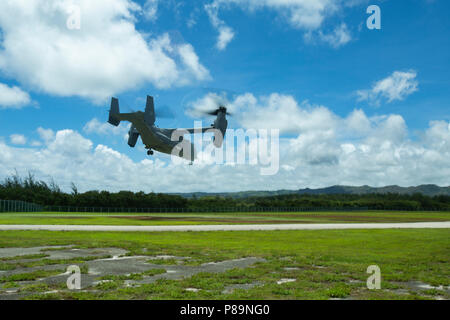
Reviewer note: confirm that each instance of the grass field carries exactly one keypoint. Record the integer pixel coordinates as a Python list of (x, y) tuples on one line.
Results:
[(221, 218), (331, 264), (324, 264)]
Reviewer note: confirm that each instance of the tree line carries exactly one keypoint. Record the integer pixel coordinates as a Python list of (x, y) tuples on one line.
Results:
[(50, 194)]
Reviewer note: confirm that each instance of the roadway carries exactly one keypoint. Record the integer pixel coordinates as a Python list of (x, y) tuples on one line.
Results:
[(235, 227)]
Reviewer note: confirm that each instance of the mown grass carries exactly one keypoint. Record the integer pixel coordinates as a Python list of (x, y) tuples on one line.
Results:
[(170, 261), (29, 276), (222, 218), (25, 257), (134, 276), (325, 264)]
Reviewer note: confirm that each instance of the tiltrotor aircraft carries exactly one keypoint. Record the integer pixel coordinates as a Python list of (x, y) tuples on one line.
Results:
[(169, 141)]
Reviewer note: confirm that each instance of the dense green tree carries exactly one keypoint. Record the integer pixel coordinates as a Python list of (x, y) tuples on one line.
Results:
[(52, 197)]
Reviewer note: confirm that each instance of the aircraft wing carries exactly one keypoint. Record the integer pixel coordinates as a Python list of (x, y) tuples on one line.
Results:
[(198, 130), (128, 116), (191, 130)]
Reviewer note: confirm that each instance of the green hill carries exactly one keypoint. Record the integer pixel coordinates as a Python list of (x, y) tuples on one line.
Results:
[(428, 190)]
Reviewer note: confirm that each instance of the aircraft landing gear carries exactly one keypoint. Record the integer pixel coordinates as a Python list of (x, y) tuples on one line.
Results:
[(149, 151)]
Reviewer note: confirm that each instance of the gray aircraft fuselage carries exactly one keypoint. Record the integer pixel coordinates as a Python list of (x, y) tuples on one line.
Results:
[(152, 137), (168, 141)]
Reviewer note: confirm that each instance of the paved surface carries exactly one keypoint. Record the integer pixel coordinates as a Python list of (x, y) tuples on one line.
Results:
[(247, 227), (101, 269)]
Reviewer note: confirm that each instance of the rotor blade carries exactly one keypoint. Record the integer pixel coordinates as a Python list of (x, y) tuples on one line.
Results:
[(216, 112), (208, 101)]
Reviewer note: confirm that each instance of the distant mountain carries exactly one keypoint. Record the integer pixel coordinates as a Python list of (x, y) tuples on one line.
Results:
[(428, 190)]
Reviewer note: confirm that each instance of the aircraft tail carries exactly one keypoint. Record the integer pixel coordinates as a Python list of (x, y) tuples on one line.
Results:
[(149, 111), (114, 111)]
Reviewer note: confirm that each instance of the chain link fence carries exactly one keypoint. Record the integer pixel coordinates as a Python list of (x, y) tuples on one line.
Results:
[(115, 210), (25, 207), (18, 206)]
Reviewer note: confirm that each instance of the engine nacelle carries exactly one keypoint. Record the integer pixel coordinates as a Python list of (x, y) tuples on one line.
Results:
[(133, 136), (220, 125)]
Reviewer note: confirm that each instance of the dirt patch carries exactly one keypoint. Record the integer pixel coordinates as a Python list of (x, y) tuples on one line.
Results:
[(67, 217), (150, 218), (224, 220), (15, 252)]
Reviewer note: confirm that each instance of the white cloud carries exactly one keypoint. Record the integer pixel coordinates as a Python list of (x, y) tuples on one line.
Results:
[(275, 111), (438, 136), (316, 158), (191, 61), (339, 37), (306, 15), (302, 14), (355, 149), (324, 149), (397, 86), (13, 97), (226, 34), (106, 56), (46, 134), (207, 103), (70, 144), (357, 123), (18, 139), (151, 9), (35, 143), (104, 128)]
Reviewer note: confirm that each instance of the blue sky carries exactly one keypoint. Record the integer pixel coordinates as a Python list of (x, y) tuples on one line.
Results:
[(292, 51)]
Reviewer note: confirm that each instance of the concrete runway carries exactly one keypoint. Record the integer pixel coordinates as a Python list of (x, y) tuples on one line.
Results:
[(241, 227)]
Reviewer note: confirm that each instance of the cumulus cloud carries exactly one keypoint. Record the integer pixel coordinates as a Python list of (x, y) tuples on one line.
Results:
[(339, 37), (323, 149), (355, 149), (104, 128), (46, 134), (305, 15), (438, 136), (13, 97), (35, 143), (207, 103), (105, 56), (397, 86), (275, 111), (18, 139)]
